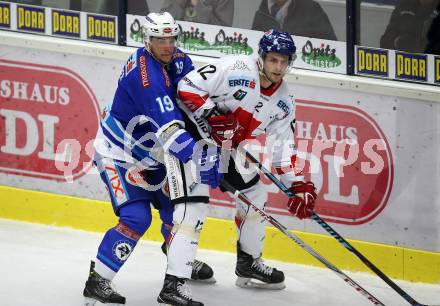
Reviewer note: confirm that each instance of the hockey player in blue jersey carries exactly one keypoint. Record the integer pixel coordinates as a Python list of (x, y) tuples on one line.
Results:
[(140, 130)]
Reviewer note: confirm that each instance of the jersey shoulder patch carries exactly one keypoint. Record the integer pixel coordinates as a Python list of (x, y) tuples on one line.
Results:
[(243, 63), (130, 65)]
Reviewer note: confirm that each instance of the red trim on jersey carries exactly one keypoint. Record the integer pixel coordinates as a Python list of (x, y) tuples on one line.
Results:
[(247, 122), (166, 77), (291, 168), (143, 69), (238, 221), (127, 232), (191, 100), (271, 89)]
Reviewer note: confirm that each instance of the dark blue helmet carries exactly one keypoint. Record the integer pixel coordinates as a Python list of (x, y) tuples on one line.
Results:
[(280, 42)]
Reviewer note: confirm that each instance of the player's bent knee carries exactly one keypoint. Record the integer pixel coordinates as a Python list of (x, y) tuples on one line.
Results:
[(190, 215), (137, 217)]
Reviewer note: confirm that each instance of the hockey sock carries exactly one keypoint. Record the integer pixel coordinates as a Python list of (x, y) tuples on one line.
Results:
[(115, 248), (250, 225), (119, 242), (166, 215), (184, 238)]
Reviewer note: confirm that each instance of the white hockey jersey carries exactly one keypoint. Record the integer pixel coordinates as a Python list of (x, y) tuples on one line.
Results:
[(233, 84)]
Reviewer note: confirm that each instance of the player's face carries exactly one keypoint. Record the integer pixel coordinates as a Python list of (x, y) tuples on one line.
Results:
[(275, 66), (163, 48)]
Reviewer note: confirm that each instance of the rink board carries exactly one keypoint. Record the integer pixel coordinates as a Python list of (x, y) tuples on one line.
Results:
[(92, 215), (372, 148)]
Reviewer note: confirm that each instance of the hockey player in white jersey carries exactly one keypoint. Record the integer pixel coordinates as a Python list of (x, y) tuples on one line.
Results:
[(237, 99)]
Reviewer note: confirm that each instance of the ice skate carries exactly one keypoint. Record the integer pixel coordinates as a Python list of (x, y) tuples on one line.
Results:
[(253, 273), (100, 289), (175, 292), (201, 272)]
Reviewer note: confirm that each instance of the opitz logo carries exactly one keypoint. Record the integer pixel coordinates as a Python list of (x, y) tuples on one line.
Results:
[(122, 250)]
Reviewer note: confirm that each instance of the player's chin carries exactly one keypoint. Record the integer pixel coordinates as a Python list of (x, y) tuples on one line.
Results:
[(276, 77), (165, 58)]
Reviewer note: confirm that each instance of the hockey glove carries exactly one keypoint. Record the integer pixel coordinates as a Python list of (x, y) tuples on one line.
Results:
[(208, 166), (225, 128), (303, 203)]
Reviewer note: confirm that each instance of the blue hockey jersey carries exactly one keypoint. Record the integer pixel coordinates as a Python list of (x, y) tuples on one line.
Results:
[(143, 108)]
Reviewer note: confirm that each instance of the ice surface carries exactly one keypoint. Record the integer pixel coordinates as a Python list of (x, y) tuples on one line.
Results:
[(47, 266)]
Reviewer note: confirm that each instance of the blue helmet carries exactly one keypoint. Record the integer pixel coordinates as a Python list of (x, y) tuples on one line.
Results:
[(279, 42)]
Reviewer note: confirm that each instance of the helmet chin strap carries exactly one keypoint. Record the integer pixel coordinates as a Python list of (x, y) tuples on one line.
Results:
[(261, 71), (264, 75)]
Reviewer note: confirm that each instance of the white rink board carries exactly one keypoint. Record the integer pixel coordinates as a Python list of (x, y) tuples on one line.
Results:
[(405, 212)]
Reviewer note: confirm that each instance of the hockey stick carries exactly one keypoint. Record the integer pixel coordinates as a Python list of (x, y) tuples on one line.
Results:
[(315, 217), (335, 235), (237, 194)]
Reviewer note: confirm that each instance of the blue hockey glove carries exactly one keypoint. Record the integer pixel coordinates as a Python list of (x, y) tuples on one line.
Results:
[(208, 165)]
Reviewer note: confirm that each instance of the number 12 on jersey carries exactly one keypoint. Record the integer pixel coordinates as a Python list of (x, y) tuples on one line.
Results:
[(165, 104)]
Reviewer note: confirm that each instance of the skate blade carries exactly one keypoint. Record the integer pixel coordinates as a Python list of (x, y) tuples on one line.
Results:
[(89, 302), (92, 302), (162, 303), (210, 280), (244, 282)]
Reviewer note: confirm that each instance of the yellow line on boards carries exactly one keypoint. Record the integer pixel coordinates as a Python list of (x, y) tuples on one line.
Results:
[(218, 234)]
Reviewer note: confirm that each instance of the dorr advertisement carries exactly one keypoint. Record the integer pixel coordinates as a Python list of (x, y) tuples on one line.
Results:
[(58, 22), (392, 64)]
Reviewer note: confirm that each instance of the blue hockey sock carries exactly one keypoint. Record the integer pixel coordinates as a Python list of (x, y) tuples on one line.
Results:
[(115, 248), (119, 242)]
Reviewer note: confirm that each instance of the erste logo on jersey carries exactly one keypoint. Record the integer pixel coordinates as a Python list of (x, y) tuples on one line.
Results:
[(239, 95), (241, 81), (284, 107)]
